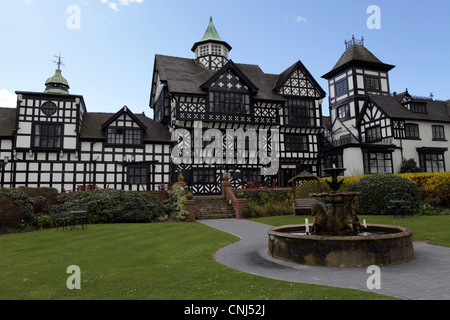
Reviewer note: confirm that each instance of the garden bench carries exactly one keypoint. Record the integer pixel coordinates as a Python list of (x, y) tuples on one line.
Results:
[(303, 206)]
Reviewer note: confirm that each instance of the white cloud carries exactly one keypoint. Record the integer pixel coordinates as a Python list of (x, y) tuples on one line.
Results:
[(300, 19), (114, 6), (127, 2), (7, 99)]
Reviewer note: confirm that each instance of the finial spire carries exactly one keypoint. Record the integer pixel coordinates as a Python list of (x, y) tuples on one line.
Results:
[(59, 62), (353, 42)]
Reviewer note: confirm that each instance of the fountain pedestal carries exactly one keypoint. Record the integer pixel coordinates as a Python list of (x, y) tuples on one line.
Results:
[(335, 239)]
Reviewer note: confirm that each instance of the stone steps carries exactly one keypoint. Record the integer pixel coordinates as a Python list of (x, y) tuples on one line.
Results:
[(213, 207)]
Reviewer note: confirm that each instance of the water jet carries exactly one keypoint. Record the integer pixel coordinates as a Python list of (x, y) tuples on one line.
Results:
[(336, 238)]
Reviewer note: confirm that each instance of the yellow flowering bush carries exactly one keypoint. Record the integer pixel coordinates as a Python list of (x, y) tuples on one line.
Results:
[(434, 187)]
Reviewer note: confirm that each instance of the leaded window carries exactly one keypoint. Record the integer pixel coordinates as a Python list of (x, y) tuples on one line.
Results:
[(411, 131), (296, 143), (373, 134), (344, 111), (204, 176), (138, 174), (372, 83), (377, 162), (438, 132), (299, 113), (47, 136), (251, 175), (124, 136), (49, 108), (417, 107), (341, 87), (229, 102), (432, 162)]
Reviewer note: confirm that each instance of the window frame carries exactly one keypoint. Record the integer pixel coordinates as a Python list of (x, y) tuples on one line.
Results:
[(120, 139), (39, 136), (384, 157), (340, 88), (296, 142), (299, 113), (343, 115), (372, 84), (143, 175), (229, 102), (378, 136), (418, 107), (412, 131), (438, 135)]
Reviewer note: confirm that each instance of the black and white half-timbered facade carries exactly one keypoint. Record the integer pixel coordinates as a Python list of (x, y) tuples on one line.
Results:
[(50, 140), (370, 130), (211, 101)]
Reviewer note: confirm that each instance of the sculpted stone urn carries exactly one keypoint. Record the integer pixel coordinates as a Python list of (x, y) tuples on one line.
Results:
[(335, 214)]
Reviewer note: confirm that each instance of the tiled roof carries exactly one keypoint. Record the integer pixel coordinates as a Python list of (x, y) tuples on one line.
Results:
[(186, 76)]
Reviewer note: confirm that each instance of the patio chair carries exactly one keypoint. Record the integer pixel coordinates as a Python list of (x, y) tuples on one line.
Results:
[(391, 208), (406, 207)]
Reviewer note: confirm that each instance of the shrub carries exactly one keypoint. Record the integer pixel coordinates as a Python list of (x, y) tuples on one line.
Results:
[(409, 166), (12, 215), (374, 189), (426, 210), (434, 187), (16, 209), (50, 194), (176, 202), (112, 206), (264, 203)]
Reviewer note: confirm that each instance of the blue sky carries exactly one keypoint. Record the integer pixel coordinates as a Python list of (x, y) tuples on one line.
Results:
[(109, 45)]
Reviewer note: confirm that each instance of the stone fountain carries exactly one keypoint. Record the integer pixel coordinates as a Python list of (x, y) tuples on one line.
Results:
[(335, 238), (336, 212)]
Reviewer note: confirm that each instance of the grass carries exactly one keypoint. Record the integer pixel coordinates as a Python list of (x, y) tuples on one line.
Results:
[(165, 261), (430, 229)]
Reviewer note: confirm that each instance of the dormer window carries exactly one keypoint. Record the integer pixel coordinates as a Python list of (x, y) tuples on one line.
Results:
[(124, 136), (418, 107)]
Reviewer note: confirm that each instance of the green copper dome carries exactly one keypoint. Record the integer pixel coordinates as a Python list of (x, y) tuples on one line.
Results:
[(211, 32), (57, 84), (211, 35)]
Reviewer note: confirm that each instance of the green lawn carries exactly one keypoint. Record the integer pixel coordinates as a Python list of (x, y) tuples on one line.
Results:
[(167, 261), (430, 229)]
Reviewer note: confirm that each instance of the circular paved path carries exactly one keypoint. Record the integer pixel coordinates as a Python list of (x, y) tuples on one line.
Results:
[(427, 277)]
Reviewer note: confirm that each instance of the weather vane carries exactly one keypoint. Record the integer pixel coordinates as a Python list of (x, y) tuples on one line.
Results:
[(59, 62)]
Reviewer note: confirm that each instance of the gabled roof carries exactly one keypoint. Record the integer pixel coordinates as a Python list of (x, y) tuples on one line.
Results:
[(127, 111), (357, 56), (286, 74), (230, 65), (7, 121), (187, 76), (437, 111), (93, 121), (181, 75)]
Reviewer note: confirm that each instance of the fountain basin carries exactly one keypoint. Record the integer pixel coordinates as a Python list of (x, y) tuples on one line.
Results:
[(385, 246)]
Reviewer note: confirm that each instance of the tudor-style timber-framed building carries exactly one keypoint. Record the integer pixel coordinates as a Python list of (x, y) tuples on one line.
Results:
[(370, 130), (50, 140), (220, 94)]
